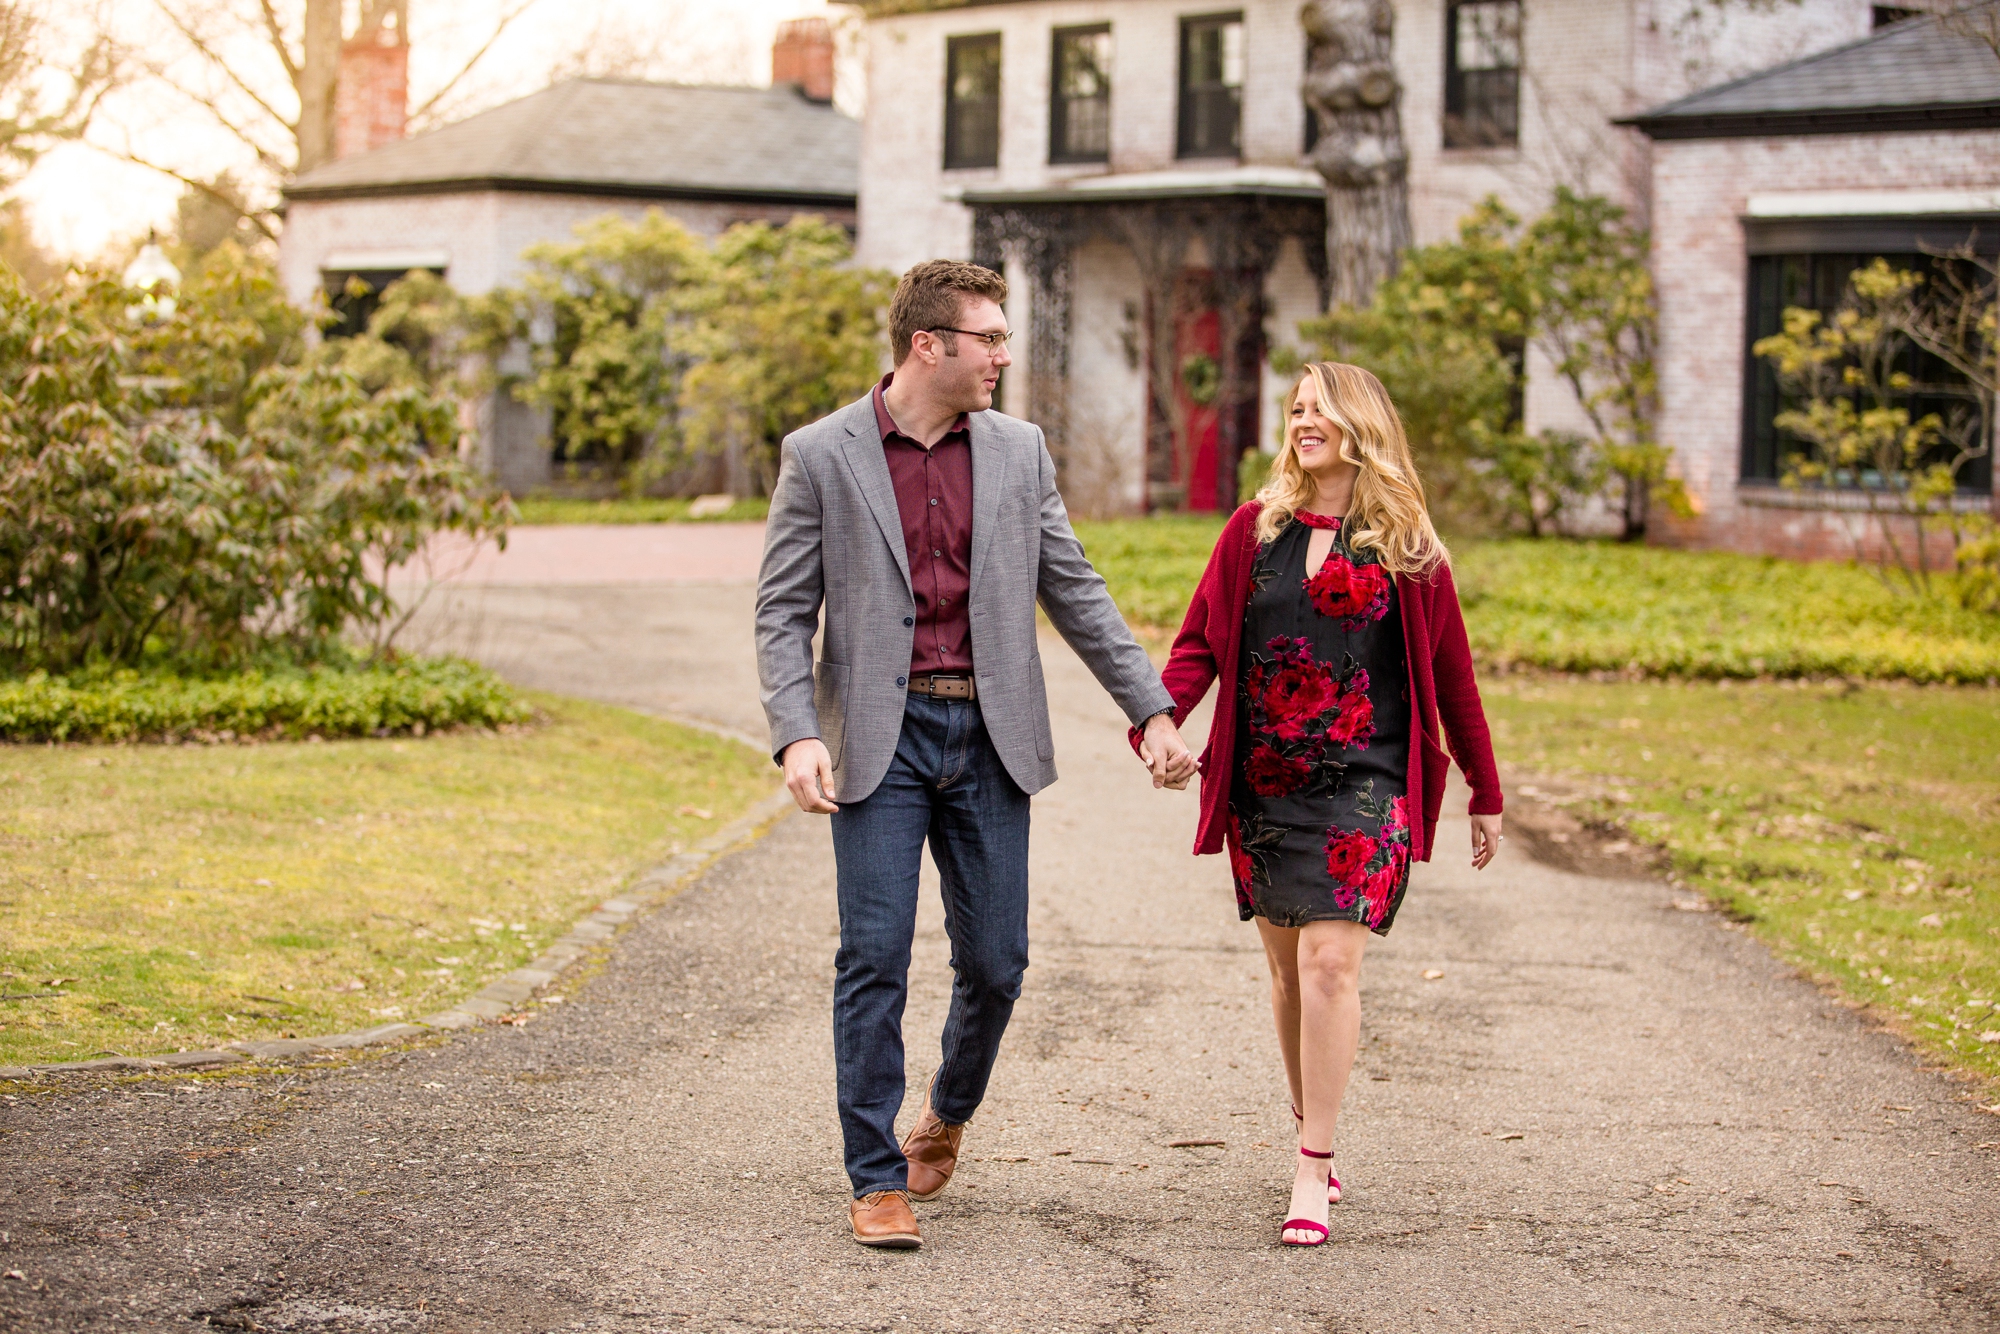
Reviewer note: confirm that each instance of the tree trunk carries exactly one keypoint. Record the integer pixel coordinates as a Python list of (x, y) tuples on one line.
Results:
[(1351, 86), (319, 73)]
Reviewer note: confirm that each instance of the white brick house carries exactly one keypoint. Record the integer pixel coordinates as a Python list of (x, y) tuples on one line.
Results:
[(1767, 193), (466, 200), (1140, 170)]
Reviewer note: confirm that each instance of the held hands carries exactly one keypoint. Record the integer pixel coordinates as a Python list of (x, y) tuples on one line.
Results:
[(809, 776), (1163, 751), (1486, 838)]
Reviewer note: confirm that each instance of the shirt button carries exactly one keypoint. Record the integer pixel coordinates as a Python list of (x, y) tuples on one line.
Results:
[(902, 680), (936, 552), (933, 500), (909, 620)]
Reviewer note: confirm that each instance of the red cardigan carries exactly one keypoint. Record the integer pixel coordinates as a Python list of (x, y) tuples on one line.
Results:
[(1441, 685)]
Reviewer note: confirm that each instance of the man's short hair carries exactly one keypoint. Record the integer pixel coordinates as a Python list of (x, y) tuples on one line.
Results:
[(932, 295)]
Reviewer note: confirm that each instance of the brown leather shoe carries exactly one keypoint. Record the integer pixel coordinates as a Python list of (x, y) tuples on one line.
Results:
[(932, 1148), (884, 1219)]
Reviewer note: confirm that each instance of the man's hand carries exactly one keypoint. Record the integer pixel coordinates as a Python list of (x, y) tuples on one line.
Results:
[(809, 776), (1163, 751), (1485, 840)]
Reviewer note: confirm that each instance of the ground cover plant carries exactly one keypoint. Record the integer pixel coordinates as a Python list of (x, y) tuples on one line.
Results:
[(635, 509), (1856, 828), (156, 898), (1599, 606)]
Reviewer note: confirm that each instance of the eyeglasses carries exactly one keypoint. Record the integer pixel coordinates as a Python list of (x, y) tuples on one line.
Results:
[(992, 340)]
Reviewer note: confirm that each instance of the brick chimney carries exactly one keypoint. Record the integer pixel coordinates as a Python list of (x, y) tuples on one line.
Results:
[(802, 56), (371, 101)]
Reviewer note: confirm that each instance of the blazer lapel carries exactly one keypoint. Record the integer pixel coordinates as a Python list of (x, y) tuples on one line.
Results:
[(989, 476), (863, 448)]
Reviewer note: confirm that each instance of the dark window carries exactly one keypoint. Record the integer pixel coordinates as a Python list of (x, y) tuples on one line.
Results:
[(1819, 282), (1211, 86), (1482, 74), (1884, 15), (1080, 95), (972, 101), (354, 295)]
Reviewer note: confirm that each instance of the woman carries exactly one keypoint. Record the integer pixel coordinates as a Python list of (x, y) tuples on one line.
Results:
[(1329, 617)]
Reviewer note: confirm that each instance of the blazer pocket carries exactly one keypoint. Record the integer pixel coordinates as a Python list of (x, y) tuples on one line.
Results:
[(830, 703)]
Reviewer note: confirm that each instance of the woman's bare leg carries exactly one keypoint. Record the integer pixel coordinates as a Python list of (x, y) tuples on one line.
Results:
[(1329, 991), (1281, 955)]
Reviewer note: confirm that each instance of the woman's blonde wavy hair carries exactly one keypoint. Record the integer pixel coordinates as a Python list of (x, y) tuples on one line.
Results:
[(1387, 514)]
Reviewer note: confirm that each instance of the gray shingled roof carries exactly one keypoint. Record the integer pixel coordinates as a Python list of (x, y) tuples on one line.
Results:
[(614, 136), (1911, 75)]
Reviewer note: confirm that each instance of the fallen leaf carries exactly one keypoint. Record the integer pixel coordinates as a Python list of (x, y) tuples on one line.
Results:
[(1990, 1035), (1433, 974), (697, 812), (448, 958), (1930, 919)]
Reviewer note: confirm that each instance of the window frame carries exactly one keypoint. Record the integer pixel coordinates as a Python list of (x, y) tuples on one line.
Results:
[(1762, 447), (1185, 118), (1454, 122), (956, 155), (1060, 153)]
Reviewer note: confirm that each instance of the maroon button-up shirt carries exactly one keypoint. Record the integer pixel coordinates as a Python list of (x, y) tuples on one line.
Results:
[(934, 497)]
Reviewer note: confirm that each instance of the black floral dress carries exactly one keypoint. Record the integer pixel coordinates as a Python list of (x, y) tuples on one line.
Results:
[(1319, 828)]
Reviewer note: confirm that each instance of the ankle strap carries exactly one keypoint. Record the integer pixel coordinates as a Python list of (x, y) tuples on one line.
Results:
[(1310, 1154)]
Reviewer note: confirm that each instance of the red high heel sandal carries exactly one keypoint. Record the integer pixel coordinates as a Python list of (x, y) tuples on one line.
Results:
[(1332, 1181), (1304, 1224)]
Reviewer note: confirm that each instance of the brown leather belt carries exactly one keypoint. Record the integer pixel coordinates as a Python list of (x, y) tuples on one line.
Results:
[(943, 687)]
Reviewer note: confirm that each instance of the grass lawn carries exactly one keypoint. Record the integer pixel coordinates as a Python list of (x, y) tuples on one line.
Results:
[(1858, 829), (187, 896), (1856, 824), (554, 510)]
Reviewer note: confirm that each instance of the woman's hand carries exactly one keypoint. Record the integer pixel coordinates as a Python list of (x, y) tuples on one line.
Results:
[(1485, 840), (1163, 751)]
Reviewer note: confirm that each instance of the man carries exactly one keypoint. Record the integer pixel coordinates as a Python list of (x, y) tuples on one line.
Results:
[(929, 526)]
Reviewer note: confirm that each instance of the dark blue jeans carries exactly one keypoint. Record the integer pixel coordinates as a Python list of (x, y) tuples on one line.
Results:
[(947, 785)]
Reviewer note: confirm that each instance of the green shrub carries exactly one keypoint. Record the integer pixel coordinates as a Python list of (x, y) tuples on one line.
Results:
[(191, 487), (360, 699)]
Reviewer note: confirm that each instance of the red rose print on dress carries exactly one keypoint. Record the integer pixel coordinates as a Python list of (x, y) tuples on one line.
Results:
[(1347, 852), (1352, 594), (1355, 722), (1273, 775)]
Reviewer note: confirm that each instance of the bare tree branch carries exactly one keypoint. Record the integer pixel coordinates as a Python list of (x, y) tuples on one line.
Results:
[(257, 217), (269, 160), (506, 20), (202, 48), (277, 32)]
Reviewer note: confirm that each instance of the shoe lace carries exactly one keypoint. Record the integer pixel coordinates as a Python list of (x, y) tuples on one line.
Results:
[(873, 1198)]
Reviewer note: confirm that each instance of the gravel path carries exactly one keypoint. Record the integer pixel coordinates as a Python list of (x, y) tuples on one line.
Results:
[(1606, 1114)]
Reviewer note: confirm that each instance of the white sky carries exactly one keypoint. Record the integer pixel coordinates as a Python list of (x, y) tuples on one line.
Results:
[(83, 200)]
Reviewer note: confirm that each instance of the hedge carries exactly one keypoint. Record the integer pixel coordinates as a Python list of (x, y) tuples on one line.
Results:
[(409, 696)]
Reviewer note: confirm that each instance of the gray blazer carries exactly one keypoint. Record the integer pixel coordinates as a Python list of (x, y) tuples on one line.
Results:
[(836, 537)]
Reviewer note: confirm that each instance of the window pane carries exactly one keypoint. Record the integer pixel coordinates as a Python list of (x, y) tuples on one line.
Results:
[(972, 101), (1489, 36), (1211, 85), (1482, 85), (1080, 110)]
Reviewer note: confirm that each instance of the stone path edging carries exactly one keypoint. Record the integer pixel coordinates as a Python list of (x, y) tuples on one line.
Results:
[(494, 1000)]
